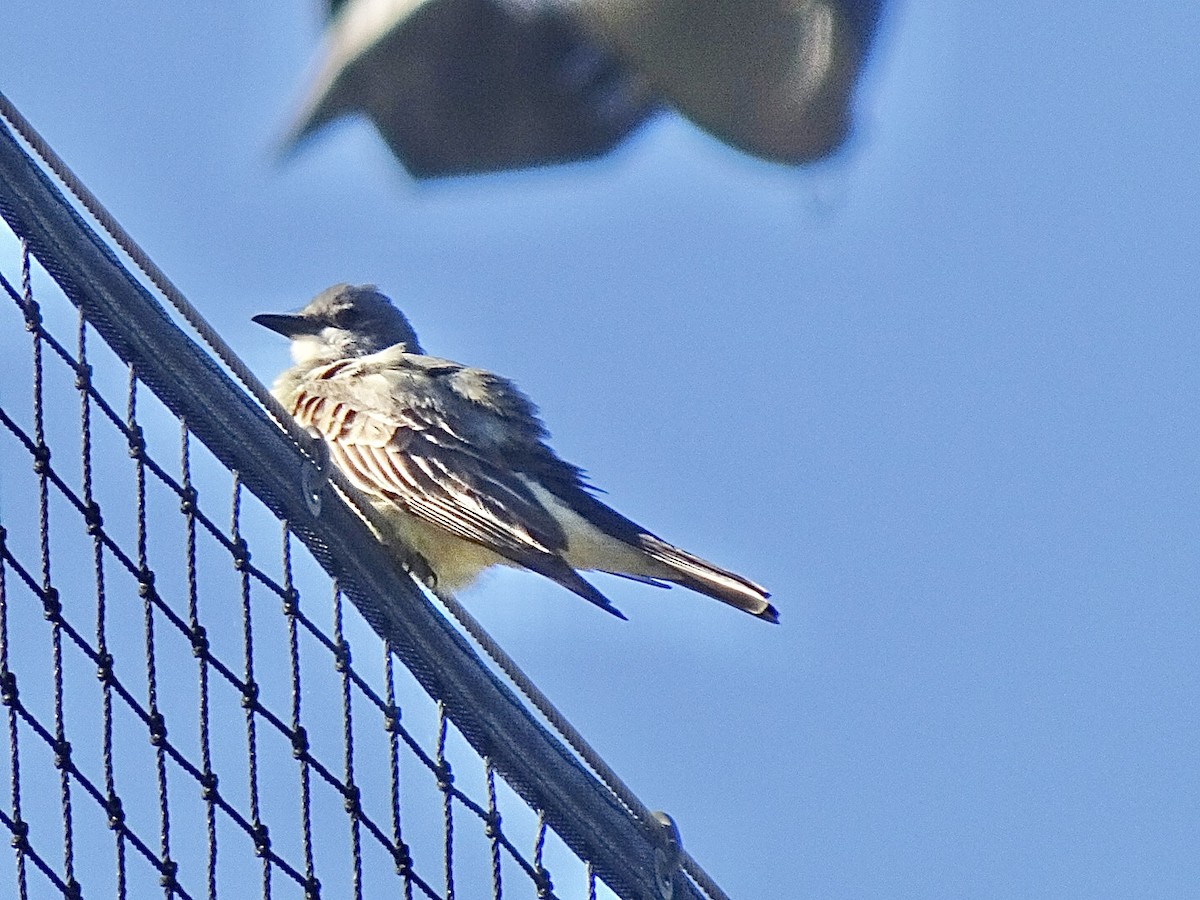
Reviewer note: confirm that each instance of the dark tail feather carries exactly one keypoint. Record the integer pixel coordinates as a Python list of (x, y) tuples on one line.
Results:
[(573, 581), (686, 570), (703, 577), (558, 570)]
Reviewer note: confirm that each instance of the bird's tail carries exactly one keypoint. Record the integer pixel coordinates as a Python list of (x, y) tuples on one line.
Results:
[(702, 576)]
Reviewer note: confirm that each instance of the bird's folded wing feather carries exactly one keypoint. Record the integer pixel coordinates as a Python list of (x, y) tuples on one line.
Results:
[(417, 456)]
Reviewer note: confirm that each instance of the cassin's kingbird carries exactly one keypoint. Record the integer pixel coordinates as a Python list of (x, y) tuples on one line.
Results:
[(455, 459)]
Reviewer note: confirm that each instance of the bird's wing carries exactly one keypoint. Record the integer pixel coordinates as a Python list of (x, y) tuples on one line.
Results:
[(456, 88), (401, 435)]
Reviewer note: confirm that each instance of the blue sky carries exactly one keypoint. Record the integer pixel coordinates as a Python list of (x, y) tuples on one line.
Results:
[(938, 395)]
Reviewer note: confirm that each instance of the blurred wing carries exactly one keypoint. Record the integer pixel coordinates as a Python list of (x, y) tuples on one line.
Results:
[(772, 78), (462, 86)]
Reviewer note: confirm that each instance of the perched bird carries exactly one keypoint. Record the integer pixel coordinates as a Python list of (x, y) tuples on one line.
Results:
[(456, 462)]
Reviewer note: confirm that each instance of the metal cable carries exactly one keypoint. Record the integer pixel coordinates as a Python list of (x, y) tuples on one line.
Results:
[(20, 843), (158, 727), (445, 779), (312, 887), (403, 858), (62, 748), (241, 557), (351, 794), (8, 689), (105, 668), (493, 825), (187, 507), (157, 277)]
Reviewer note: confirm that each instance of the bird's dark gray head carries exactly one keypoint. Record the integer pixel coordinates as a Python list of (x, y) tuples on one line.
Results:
[(343, 321)]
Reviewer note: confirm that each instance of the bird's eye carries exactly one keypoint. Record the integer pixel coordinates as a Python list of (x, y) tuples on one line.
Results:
[(347, 317)]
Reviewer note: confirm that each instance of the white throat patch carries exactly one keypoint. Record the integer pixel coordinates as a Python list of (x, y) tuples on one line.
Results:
[(308, 348)]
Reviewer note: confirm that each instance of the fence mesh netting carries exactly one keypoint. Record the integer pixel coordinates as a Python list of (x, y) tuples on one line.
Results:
[(182, 712)]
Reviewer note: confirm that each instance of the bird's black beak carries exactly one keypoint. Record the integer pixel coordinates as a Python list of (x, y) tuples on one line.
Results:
[(288, 325)]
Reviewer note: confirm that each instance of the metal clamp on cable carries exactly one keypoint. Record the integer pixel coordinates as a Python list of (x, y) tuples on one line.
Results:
[(667, 855), (315, 475)]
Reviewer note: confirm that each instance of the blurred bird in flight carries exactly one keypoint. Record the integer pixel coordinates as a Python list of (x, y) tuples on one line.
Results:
[(456, 462), (463, 86)]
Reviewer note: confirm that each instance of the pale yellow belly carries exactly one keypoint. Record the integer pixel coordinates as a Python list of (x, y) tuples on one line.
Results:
[(455, 562)]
